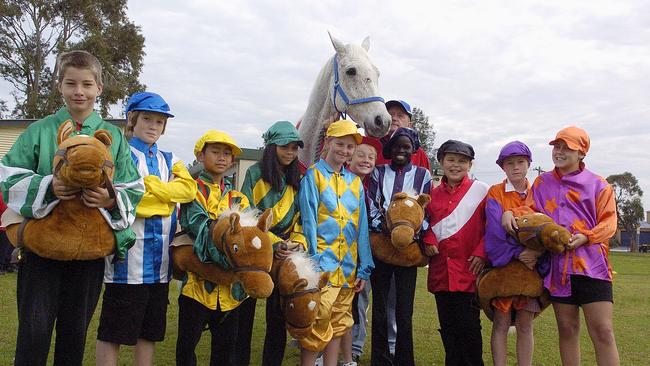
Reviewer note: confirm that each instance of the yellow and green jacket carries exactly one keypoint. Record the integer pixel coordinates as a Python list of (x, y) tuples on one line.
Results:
[(283, 203), (196, 217)]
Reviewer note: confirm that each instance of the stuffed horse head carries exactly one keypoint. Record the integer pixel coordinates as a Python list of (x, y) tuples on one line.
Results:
[(246, 243), (72, 231), (539, 232), (404, 217), (83, 161), (299, 284)]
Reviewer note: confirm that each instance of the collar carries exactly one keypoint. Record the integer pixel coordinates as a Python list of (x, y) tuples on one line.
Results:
[(91, 123), (510, 188), (581, 168), (462, 183), (323, 165), (143, 146), (405, 168)]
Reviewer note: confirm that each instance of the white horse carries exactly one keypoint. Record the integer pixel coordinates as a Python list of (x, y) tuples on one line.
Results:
[(346, 84)]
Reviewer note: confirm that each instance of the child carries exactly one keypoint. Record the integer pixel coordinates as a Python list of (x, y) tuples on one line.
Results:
[(454, 242), (361, 164), (134, 308), (64, 292), (202, 302), (335, 225), (386, 180), (583, 202), (272, 183), (501, 248)]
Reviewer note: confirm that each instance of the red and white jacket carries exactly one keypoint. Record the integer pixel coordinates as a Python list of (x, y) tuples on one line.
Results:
[(456, 227)]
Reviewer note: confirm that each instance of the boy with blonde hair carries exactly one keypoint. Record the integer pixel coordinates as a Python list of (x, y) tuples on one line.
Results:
[(335, 225), (64, 292)]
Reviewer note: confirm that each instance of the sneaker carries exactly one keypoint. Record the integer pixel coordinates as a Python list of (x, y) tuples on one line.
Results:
[(351, 363), (319, 361)]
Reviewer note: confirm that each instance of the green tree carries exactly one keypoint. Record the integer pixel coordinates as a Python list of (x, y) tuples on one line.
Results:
[(34, 32), (629, 206), (427, 135), (3, 108)]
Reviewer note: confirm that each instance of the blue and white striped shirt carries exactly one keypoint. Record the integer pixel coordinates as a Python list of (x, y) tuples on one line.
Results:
[(148, 260), (386, 180)]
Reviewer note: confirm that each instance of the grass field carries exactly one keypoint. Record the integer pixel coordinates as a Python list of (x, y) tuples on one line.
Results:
[(632, 325)]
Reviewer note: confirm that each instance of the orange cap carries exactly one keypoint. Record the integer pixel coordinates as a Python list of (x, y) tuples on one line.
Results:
[(575, 138)]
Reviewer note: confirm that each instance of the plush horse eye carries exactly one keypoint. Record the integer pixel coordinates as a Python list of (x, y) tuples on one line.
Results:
[(351, 71), (291, 306), (235, 248), (525, 220)]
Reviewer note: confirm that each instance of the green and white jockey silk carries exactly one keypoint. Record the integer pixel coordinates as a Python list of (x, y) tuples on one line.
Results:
[(26, 174)]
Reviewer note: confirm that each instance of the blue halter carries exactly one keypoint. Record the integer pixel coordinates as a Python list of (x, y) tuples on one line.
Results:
[(338, 90)]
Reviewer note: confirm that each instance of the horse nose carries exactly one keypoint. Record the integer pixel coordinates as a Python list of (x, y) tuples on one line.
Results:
[(378, 121)]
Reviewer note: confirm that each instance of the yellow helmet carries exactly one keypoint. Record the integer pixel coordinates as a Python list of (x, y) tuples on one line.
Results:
[(214, 136)]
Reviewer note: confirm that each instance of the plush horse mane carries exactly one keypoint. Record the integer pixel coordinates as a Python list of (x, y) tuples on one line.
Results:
[(247, 216), (306, 269)]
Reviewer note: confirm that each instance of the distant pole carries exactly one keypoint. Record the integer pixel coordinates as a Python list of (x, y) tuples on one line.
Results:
[(539, 170)]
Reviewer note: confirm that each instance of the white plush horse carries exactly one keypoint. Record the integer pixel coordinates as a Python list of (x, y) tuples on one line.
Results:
[(346, 84)]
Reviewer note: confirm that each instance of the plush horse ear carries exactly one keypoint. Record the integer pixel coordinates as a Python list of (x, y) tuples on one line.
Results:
[(338, 45), (299, 285), (265, 221), (64, 131), (399, 196), (104, 136), (424, 200), (366, 43), (235, 227), (324, 278)]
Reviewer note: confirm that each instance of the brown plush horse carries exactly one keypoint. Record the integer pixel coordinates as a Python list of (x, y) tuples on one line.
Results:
[(299, 284), (404, 218), (247, 246), (536, 231), (72, 231)]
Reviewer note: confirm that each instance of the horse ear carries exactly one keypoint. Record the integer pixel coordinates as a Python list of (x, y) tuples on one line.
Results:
[(366, 43), (104, 136), (399, 196), (324, 278), (424, 200), (234, 223), (64, 131), (338, 45), (300, 284), (265, 221)]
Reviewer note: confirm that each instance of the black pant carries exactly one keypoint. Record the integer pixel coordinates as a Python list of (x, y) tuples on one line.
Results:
[(192, 318), (49, 291), (276, 333), (5, 251), (405, 279), (460, 325)]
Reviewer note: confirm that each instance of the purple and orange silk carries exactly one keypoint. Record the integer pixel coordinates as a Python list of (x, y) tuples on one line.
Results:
[(583, 202)]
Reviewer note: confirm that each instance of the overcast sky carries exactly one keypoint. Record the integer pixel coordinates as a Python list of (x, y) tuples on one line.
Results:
[(485, 72)]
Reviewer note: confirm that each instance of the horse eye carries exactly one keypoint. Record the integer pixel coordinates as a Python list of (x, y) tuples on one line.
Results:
[(291, 306), (351, 71), (235, 248), (525, 220)]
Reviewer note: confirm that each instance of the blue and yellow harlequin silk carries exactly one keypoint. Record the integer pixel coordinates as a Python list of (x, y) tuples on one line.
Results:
[(335, 223)]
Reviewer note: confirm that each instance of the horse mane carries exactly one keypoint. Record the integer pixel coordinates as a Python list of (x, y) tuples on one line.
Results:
[(306, 268), (247, 216)]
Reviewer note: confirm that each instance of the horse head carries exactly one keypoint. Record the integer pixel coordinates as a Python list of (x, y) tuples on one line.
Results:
[(299, 285), (404, 217), (81, 160), (358, 79), (246, 243)]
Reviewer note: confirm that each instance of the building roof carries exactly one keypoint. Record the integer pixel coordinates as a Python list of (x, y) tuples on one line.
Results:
[(251, 154)]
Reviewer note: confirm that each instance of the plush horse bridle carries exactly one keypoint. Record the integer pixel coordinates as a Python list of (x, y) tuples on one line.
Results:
[(393, 224), (107, 165), (288, 297), (536, 231), (338, 90), (232, 262)]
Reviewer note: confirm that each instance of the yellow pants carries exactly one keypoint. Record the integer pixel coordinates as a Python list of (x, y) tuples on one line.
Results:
[(333, 320)]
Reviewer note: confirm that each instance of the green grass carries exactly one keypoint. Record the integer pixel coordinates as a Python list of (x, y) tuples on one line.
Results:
[(631, 320)]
